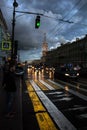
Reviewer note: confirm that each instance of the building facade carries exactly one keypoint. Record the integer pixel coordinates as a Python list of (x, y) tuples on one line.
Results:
[(74, 53), (3, 36)]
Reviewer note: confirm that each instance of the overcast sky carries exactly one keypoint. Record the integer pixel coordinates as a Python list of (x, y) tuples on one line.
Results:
[(66, 21)]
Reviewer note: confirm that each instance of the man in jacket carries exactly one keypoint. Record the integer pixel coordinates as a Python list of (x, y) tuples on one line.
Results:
[(10, 89)]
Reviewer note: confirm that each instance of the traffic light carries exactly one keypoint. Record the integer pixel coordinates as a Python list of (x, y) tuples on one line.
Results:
[(37, 22)]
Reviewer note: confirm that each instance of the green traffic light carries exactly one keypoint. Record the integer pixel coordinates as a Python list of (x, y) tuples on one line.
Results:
[(38, 24)]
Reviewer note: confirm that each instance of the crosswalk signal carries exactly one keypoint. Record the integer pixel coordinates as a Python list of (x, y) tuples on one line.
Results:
[(37, 22), (6, 45)]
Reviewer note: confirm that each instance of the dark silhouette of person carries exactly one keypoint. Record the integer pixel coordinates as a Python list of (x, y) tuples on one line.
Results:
[(10, 89)]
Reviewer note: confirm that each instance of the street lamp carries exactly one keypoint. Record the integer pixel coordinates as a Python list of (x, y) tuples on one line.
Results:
[(15, 4)]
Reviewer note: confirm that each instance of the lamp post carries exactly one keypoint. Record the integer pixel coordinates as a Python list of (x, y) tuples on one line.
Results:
[(15, 4)]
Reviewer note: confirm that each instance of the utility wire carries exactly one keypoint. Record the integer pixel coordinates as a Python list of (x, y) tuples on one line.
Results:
[(74, 15), (61, 26)]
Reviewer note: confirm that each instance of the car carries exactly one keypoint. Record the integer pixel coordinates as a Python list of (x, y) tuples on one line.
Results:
[(83, 72), (66, 73)]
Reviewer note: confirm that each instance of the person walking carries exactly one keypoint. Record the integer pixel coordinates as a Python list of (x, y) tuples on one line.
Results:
[(10, 89)]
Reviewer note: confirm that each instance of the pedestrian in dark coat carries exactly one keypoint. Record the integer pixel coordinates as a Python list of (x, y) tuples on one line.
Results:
[(10, 89), (5, 71)]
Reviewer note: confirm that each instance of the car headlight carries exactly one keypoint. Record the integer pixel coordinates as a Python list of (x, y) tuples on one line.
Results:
[(66, 74), (77, 74)]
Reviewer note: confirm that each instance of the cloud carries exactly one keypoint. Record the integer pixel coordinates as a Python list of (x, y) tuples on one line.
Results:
[(56, 30)]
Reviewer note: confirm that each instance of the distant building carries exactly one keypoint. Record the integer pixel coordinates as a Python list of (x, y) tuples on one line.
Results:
[(36, 62), (3, 36), (74, 53)]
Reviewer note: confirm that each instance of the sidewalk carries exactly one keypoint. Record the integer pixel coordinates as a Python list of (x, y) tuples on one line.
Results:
[(14, 123)]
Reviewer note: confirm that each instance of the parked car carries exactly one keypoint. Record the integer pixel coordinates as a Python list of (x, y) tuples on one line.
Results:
[(66, 73)]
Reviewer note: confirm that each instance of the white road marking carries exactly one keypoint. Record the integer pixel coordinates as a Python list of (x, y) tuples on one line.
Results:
[(62, 122), (82, 89), (47, 85), (71, 91)]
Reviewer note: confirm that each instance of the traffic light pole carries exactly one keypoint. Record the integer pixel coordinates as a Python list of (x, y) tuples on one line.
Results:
[(15, 4)]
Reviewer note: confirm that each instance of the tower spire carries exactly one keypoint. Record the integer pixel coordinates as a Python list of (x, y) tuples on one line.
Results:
[(44, 37), (44, 46)]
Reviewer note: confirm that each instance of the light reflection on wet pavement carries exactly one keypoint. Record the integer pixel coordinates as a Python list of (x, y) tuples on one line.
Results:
[(74, 108), (69, 103)]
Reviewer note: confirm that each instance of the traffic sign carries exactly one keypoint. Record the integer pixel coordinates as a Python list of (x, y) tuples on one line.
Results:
[(6, 45)]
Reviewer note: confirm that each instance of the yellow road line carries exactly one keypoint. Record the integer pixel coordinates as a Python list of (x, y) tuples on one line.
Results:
[(53, 85), (34, 98), (43, 118), (29, 87), (45, 122), (36, 102), (42, 86)]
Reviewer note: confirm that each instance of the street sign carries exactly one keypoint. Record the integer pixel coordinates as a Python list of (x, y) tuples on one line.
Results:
[(6, 45)]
